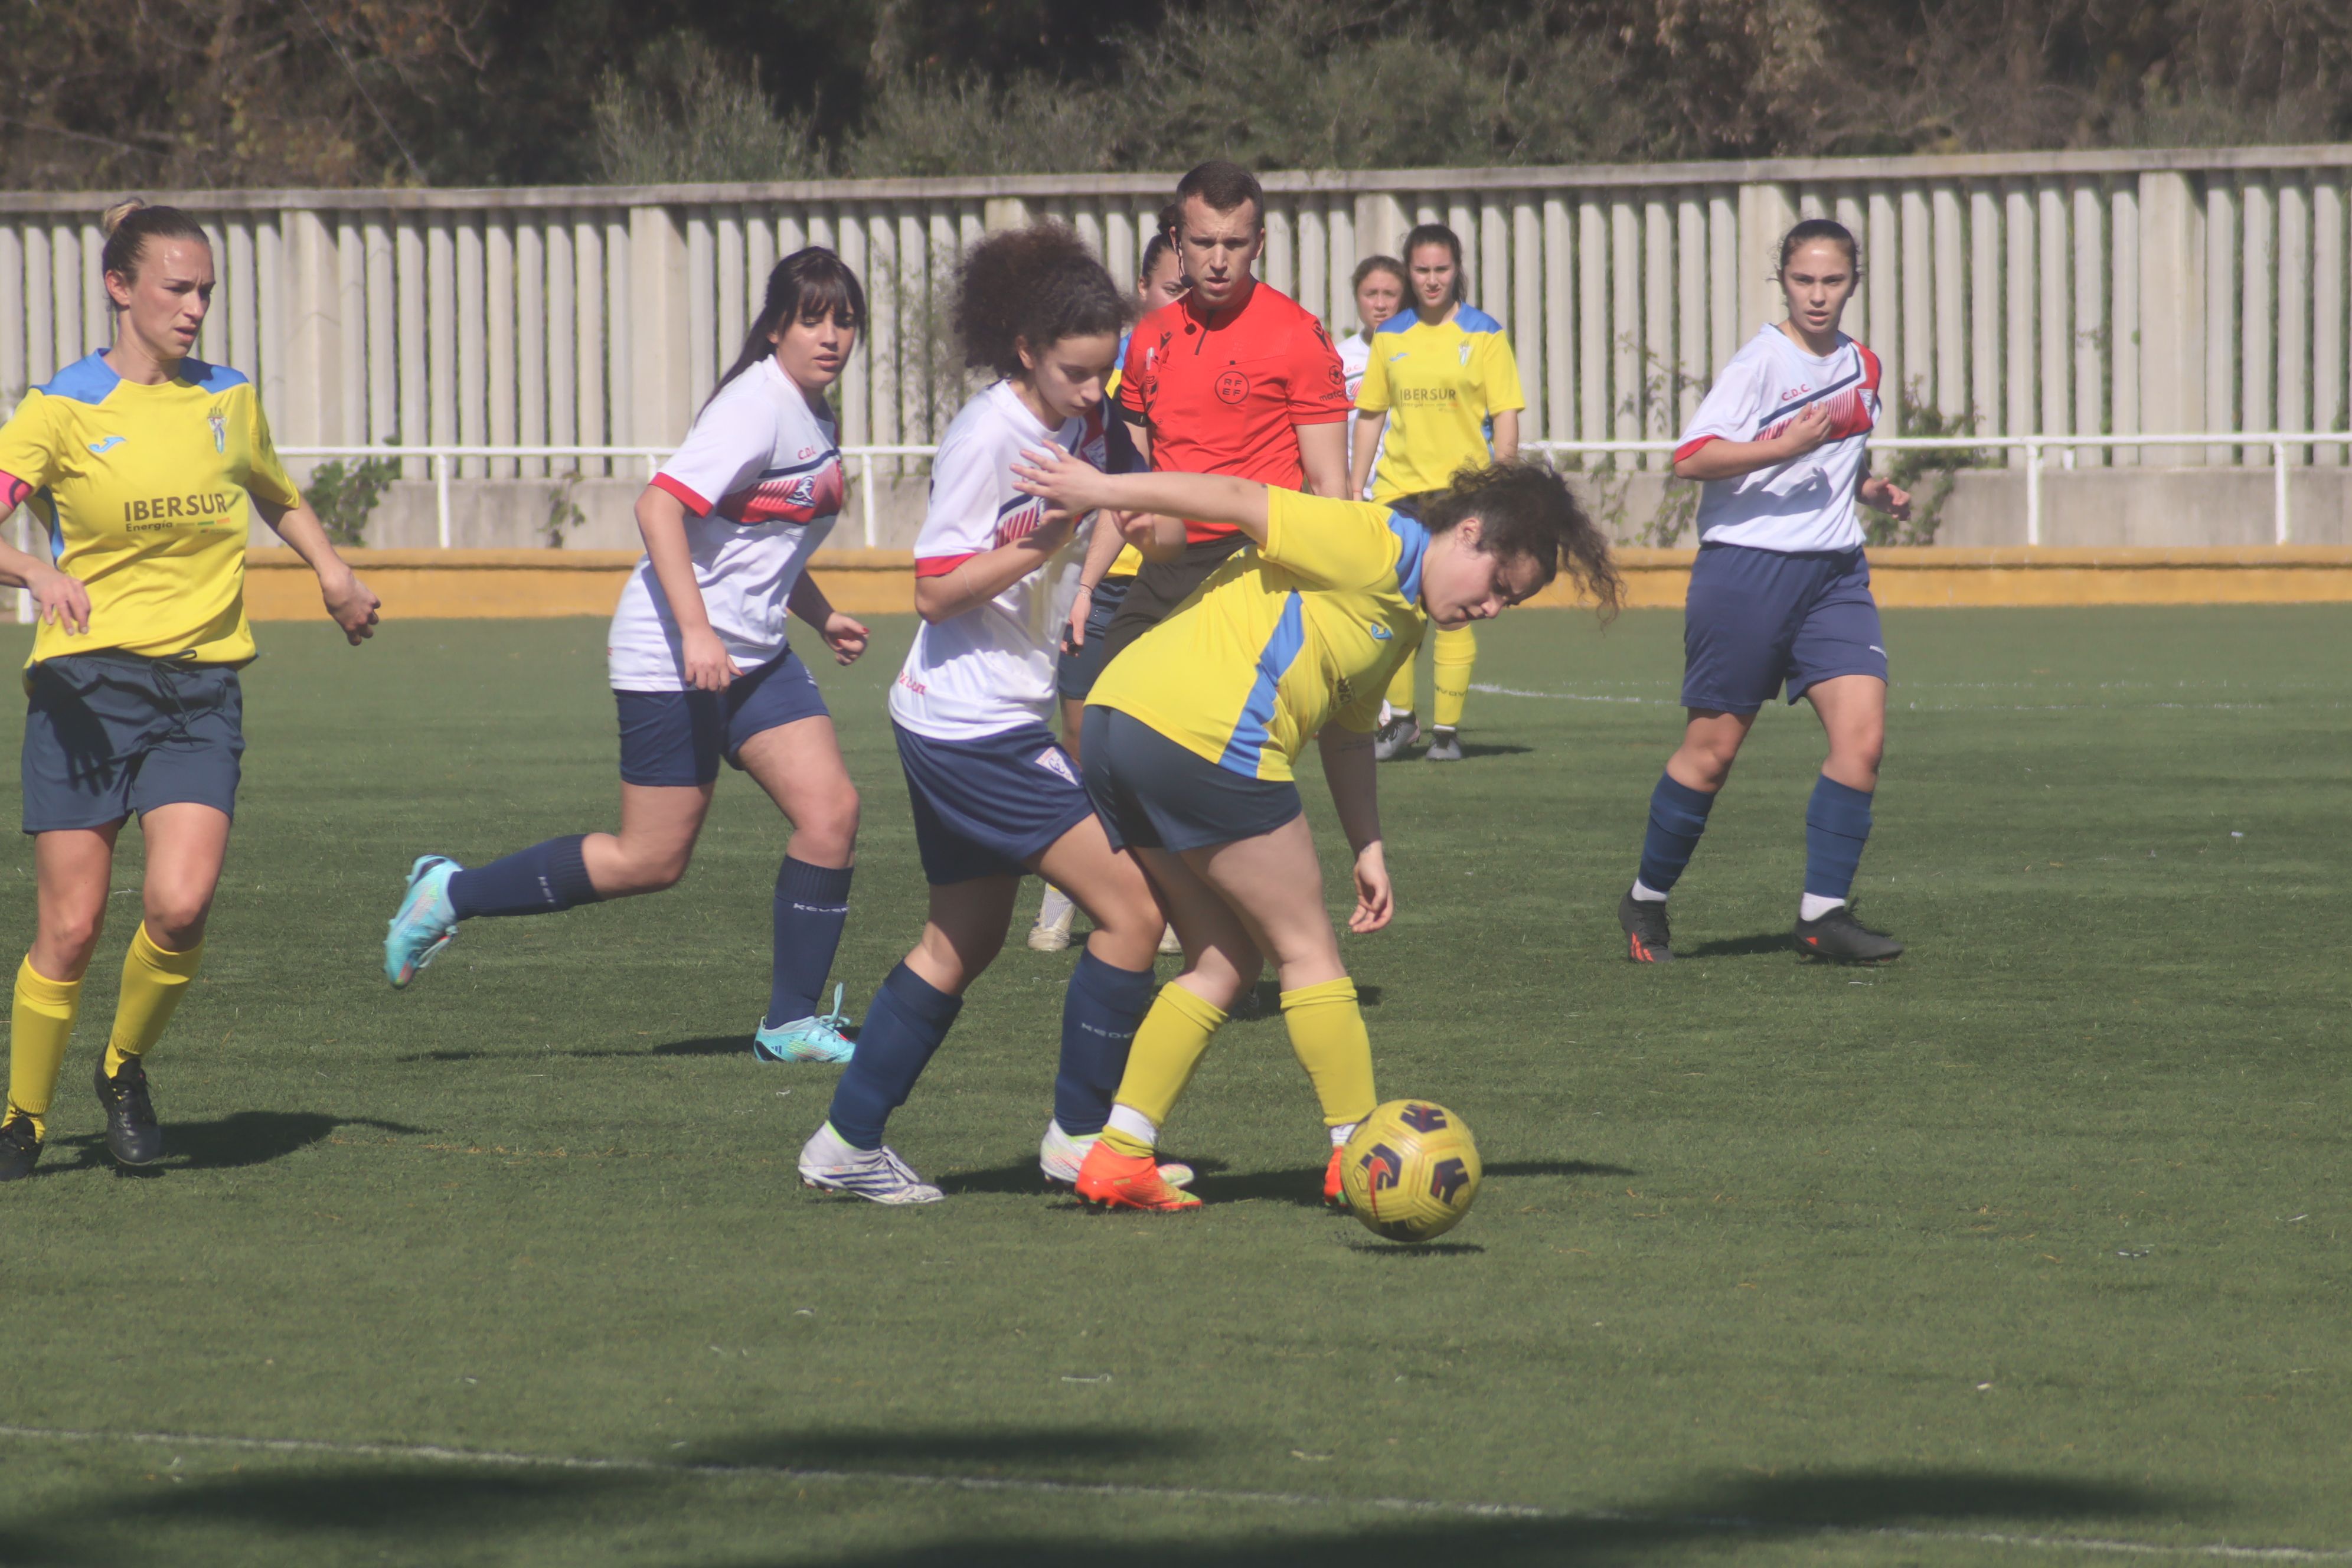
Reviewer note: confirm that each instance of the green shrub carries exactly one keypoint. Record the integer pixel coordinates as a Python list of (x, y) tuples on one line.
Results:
[(344, 495)]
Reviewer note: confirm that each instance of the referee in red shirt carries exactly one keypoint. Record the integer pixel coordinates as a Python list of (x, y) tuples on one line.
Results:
[(1233, 378)]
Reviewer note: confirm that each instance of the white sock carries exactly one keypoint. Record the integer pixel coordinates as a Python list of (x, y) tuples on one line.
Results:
[(1339, 1135), (1135, 1124), (1646, 894), (1813, 906), (1056, 908)]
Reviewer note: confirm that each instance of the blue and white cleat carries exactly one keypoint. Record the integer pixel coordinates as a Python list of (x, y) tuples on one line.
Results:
[(426, 921), (813, 1040), (831, 1163)]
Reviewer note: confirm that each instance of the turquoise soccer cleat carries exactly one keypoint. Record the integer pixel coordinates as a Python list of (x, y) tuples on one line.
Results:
[(426, 921), (813, 1040)]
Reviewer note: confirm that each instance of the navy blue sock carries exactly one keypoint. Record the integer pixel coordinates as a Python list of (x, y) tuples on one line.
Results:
[(539, 880), (812, 903), (1837, 825), (1677, 816), (1100, 1013), (904, 1026)]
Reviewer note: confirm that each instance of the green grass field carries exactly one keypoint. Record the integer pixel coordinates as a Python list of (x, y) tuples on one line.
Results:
[(2028, 1249)]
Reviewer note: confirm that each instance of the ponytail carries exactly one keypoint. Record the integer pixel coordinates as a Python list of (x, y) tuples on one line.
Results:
[(129, 223)]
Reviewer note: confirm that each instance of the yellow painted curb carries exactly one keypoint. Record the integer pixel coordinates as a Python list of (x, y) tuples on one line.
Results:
[(433, 584)]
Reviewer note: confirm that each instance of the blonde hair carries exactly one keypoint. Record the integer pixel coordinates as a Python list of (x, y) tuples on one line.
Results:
[(131, 222)]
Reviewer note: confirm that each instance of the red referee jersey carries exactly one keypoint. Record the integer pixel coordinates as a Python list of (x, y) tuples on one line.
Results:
[(1221, 398)]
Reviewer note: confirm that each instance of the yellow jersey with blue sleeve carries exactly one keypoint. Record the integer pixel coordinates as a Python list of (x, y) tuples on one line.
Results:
[(1440, 387), (1304, 631), (143, 491)]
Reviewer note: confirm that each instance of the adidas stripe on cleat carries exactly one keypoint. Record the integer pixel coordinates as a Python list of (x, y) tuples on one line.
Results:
[(1110, 1180), (1840, 938), (1647, 939), (831, 1163)]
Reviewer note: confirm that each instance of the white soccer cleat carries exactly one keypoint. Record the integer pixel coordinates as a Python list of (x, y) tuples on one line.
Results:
[(830, 1163), (1054, 918), (1061, 1154)]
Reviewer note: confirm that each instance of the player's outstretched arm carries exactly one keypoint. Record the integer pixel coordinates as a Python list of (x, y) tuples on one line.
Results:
[(1348, 768), (348, 599), (1076, 486)]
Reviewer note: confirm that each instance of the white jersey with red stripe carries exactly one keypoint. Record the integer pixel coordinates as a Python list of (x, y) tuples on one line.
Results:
[(991, 669), (1806, 503), (761, 481)]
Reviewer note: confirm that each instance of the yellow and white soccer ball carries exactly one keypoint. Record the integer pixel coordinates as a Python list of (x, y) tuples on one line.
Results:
[(1410, 1171)]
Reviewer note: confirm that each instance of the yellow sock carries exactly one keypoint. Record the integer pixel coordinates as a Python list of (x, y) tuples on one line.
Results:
[(40, 1024), (1169, 1045), (1454, 655), (1401, 688), (152, 981), (1326, 1034)]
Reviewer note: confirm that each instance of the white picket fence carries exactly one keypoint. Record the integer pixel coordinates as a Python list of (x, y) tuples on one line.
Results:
[(2045, 295)]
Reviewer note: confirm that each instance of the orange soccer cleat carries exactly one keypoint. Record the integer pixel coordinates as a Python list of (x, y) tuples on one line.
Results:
[(1335, 1196), (1110, 1180)]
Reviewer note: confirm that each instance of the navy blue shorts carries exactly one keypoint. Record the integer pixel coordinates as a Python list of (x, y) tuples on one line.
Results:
[(1154, 794), (988, 807), (109, 734), (1075, 673), (1757, 620), (673, 738)]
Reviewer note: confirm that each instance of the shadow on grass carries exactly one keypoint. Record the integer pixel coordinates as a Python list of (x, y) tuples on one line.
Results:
[(402, 1507), (1418, 1249), (231, 1143), (1555, 1168), (1771, 942), (1264, 1000)]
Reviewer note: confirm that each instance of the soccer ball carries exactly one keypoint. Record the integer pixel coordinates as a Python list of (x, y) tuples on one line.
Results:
[(1410, 1171)]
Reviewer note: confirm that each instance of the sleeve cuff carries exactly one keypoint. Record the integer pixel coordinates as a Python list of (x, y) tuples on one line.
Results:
[(685, 493), (940, 566), (1687, 447)]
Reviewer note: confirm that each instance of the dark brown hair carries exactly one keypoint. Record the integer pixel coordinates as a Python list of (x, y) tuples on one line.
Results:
[(1387, 264), (1814, 228), (806, 287), (1035, 285), (1223, 186), (1438, 233), (129, 225), (1525, 510)]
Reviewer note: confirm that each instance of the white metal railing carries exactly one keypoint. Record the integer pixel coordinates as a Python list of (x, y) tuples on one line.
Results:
[(2278, 442)]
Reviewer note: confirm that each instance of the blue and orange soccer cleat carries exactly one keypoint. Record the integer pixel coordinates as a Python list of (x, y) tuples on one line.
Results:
[(425, 922), (815, 1038), (1110, 1180)]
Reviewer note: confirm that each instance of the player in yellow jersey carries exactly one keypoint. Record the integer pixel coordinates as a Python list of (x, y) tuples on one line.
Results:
[(1107, 572), (140, 463), (1443, 389), (1191, 732)]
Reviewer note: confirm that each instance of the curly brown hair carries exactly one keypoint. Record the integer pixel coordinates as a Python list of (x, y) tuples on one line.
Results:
[(1035, 286), (1526, 510)]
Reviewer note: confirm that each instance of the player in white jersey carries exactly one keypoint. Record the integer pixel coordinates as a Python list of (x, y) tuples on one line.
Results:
[(700, 671), (994, 797), (1779, 597), (1380, 288)]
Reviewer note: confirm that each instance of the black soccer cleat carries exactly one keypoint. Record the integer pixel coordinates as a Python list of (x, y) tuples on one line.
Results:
[(1841, 939), (1647, 939), (130, 1130), (20, 1148)]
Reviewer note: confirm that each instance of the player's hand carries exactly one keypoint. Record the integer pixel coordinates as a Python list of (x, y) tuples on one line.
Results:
[(845, 636), (1375, 899), (350, 604), (1808, 430), (708, 666), (1074, 635), (60, 601), (1066, 481), (1887, 497)]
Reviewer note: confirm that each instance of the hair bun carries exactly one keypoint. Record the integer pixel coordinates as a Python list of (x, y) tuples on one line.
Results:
[(111, 219)]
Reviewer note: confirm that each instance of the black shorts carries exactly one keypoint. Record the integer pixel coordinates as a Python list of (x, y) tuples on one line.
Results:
[(109, 733), (1075, 672), (1163, 586), (1152, 794)]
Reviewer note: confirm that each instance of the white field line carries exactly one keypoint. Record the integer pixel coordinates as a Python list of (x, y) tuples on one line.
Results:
[(1896, 703), (434, 1453)]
